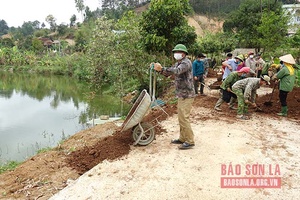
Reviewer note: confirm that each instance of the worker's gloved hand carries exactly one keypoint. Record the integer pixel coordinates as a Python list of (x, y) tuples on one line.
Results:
[(247, 101)]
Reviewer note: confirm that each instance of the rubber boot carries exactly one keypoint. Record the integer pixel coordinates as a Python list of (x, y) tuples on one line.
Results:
[(218, 104), (283, 112)]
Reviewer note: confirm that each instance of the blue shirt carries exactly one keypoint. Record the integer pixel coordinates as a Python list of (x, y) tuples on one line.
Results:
[(198, 67), (232, 62)]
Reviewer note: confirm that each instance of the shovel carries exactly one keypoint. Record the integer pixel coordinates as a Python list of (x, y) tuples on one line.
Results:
[(269, 103), (258, 109), (206, 86)]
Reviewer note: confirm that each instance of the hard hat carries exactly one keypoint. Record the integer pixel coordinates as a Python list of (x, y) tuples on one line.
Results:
[(266, 78), (241, 57), (180, 47)]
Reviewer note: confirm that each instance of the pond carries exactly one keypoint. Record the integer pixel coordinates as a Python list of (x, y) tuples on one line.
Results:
[(37, 112)]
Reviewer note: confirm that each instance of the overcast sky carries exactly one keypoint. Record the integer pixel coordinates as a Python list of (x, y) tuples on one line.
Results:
[(15, 12)]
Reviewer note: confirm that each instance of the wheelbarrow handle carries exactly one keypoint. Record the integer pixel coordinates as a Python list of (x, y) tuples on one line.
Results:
[(152, 84)]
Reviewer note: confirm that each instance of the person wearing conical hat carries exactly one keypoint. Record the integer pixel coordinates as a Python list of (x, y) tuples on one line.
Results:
[(286, 76)]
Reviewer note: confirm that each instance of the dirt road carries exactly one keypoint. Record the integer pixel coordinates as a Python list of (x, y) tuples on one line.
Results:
[(161, 171)]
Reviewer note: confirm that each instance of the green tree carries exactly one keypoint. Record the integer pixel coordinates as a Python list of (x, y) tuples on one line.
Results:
[(99, 48), (83, 35), (36, 24), (28, 28), (214, 6), (80, 7), (273, 29), (6, 42), (246, 20), (41, 33), (116, 55), (114, 9), (88, 14), (62, 29), (52, 22), (37, 45), (164, 25), (217, 43), (73, 20), (3, 27)]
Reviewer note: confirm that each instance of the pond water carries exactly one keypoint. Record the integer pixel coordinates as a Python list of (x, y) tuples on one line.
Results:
[(38, 112)]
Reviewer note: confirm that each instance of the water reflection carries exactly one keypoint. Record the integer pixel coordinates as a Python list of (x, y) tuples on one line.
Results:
[(39, 111)]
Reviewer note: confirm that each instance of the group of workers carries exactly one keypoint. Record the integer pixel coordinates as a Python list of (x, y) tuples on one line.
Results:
[(240, 82)]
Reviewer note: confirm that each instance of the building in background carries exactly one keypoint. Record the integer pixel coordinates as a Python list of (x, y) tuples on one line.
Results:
[(293, 10)]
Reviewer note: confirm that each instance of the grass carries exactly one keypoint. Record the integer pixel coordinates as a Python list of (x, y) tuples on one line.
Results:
[(42, 150), (9, 166)]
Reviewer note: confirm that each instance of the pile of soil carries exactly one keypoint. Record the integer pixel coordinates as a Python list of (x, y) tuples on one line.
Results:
[(211, 73), (45, 174)]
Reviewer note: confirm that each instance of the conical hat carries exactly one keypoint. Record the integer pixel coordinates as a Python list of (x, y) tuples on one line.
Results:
[(288, 59)]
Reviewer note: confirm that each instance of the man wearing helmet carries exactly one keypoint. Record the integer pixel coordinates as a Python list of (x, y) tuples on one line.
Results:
[(185, 93), (227, 94), (231, 65)]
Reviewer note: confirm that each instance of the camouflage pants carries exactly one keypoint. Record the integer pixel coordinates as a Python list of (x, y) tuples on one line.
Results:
[(242, 107)]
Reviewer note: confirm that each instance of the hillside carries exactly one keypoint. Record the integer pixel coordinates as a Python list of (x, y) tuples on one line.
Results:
[(201, 23), (204, 24)]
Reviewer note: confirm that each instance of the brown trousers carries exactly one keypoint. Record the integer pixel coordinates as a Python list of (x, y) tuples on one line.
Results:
[(184, 107)]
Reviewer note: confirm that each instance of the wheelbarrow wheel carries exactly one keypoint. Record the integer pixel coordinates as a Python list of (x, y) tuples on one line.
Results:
[(148, 135)]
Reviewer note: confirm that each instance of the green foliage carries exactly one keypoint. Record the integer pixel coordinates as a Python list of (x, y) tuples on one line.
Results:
[(62, 29), (43, 150), (3, 27), (6, 42), (273, 29), (41, 33), (80, 5), (246, 20), (115, 9), (73, 20), (37, 45), (28, 28), (51, 63), (214, 6), (100, 49), (164, 25), (83, 35), (52, 22), (217, 43), (9, 166), (116, 55), (294, 41)]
